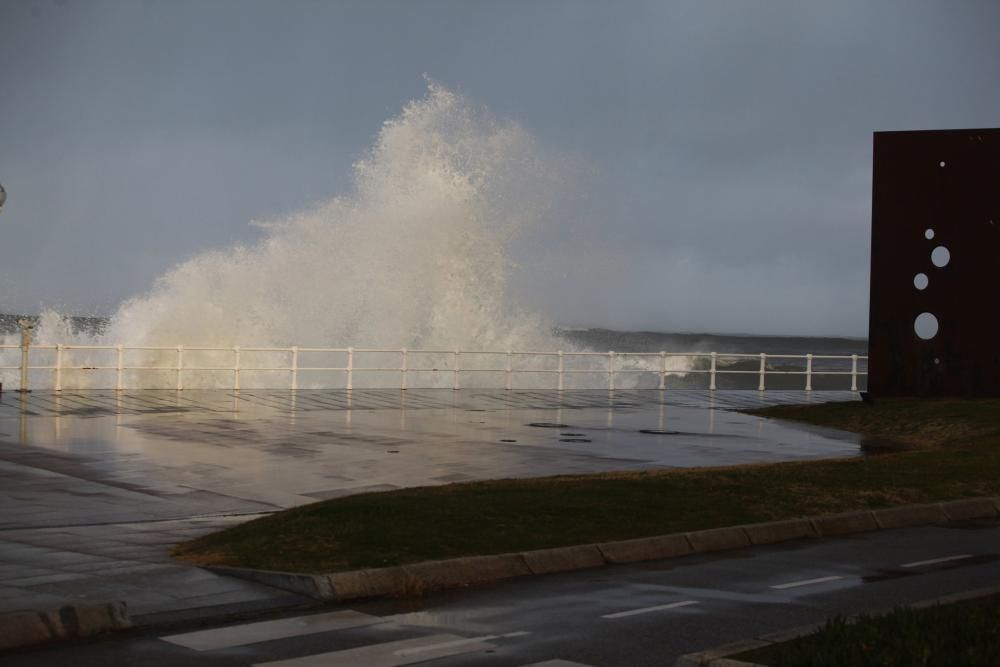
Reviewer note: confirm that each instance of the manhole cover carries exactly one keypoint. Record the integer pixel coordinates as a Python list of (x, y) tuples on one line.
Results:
[(508, 441), (547, 425), (656, 431), (573, 435), (573, 440)]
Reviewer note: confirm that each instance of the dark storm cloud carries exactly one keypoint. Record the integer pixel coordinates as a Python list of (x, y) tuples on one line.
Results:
[(721, 149)]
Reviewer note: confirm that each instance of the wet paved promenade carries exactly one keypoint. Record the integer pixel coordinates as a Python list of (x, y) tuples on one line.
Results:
[(96, 487)]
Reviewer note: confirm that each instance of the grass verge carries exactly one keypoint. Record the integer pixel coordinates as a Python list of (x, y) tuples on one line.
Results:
[(953, 452), (958, 635)]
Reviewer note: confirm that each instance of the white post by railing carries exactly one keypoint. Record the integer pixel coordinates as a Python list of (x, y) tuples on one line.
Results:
[(663, 369), (763, 371), (295, 368), (509, 368), (711, 385), (350, 368), (560, 353), (611, 371), (236, 368), (59, 355), (456, 369), (119, 366), (180, 367), (402, 368), (854, 372), (809, 372)]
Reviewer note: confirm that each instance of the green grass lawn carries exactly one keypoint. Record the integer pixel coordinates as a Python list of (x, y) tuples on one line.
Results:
[(958, 635), (905, 422), (951, 449)]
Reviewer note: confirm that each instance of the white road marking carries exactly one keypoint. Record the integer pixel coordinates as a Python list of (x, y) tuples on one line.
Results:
[(263, 631), (807, 582), (647, 610), (388, 654), (935, 561), (458, 642)]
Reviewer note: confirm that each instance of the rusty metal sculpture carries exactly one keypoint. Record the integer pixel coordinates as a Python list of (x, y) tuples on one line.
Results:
[(934, 322)]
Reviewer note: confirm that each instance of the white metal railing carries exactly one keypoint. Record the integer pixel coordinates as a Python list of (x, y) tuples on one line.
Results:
[(288, 363)]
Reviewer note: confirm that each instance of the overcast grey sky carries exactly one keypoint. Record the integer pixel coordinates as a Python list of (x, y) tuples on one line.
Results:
[(723, 148)]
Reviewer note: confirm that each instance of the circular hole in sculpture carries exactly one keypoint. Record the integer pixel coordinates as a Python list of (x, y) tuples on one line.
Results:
[(925, 326), (940, 256), (929, 234), (920, 281), (941, 163), (936, 361)]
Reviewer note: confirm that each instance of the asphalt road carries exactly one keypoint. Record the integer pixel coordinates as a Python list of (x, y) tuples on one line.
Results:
[(647, 614)]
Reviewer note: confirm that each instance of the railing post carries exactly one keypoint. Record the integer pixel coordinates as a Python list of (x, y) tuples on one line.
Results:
[(611, 371), (295, 368), (561, 370), (236, 368), (711, 385), (663, 369), (509, 368), (854, 372), (809, 372), (455, 384), (180, 367), (119, 366), (350, 368), (763, 371), (59, 357), (402, 369)]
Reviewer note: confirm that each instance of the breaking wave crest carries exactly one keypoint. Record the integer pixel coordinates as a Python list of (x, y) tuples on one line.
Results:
[(415, 256)]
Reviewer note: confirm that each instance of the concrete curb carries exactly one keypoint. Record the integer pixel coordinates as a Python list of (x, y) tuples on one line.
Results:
[(19, 629), (427, 577), (718, 656), (645, 548)]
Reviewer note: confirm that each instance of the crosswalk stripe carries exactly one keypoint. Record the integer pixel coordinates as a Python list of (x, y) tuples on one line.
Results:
[(388, 654), (263, 631), (458, 642), (449, 644)]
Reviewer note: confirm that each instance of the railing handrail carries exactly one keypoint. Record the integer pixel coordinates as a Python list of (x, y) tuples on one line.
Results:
[(181, 365)]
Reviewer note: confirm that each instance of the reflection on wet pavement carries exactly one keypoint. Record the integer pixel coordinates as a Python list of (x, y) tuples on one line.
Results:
[(78, 471)]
